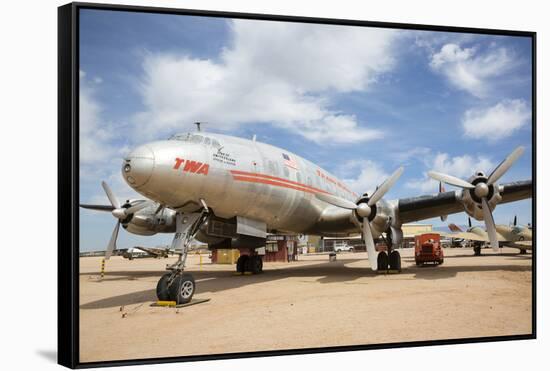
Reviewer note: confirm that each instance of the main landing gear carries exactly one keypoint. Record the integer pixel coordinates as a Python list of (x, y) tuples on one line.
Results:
[(390, 260), (477, 249), (250, 263), (176, 285)]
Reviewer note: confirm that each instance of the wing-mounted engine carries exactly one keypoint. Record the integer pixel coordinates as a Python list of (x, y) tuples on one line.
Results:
[(481, 193), (372, 214), (472, 198), (150, 220)]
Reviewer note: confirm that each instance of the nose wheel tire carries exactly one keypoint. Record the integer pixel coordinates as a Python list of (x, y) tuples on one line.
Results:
[(162, 288), (382, 261), (395, 261), (182, 288)]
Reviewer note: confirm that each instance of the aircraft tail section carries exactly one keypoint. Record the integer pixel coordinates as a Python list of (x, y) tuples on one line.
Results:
[(454, 228)]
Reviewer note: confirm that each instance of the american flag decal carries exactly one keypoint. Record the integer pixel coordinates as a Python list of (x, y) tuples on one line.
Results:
[(290, 162)]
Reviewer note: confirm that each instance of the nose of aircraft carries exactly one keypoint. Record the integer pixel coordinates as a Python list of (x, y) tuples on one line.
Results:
[(138, 166)]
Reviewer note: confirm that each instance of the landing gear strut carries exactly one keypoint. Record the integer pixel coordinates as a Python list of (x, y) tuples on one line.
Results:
[(176, 285)]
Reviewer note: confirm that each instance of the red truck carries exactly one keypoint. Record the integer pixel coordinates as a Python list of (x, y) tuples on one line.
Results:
[(427, 249)]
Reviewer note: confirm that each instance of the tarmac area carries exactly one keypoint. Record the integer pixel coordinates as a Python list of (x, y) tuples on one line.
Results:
[(308, 303)]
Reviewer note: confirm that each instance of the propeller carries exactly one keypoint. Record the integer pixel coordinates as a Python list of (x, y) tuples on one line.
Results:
[(121, 213), (482, 190), (364, 210)]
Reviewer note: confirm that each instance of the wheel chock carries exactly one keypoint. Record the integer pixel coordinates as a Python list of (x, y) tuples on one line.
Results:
[(172, 304), (165, 303)]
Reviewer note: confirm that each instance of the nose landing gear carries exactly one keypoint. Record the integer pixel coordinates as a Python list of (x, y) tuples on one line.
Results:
[(176, 285)]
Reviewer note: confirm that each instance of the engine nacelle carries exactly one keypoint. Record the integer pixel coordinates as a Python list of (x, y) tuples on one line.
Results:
[(472, 203), (146, 223)]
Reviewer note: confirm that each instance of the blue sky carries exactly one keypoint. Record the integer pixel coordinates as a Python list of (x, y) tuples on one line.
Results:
[(357, 101)]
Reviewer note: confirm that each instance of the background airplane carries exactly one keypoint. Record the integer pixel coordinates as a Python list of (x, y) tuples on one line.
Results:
[(231, 192), (519, 237)]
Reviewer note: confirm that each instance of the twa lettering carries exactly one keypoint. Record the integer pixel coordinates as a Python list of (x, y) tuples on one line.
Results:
[(191, 166)]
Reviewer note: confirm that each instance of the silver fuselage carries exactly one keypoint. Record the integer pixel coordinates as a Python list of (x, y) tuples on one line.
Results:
[(239, 177)]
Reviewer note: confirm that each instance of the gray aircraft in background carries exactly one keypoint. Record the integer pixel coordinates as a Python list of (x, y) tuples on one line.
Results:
[(231, 192)]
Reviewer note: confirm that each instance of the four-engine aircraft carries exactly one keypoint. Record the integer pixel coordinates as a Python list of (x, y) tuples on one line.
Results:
[(231, 192)]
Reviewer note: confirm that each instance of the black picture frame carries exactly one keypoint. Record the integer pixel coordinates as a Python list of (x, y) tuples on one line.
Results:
[(68, 182)]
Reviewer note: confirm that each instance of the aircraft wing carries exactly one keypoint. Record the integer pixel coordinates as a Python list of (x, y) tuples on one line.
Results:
[(425, 207), (522, 245), (466, 236), (152, 251)]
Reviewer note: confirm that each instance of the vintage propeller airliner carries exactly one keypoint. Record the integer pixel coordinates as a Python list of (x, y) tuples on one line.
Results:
[(229, 191)]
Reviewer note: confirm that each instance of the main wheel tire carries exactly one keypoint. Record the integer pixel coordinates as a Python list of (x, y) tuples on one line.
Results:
[(523, 251), (255, 264), (242, 263), (163, 293), (395, 260), (351, 250), (182, 289), (382, 261), (441, 261)]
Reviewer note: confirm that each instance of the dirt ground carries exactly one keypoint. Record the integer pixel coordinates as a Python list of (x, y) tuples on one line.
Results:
[(303, 304)]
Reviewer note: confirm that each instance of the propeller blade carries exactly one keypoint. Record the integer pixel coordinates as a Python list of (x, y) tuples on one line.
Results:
[(98, 207), (505, 165), (336, 201), (369, 243), (469, 222), (112, 242), (449, 179), (110, 195), (490, 224), (385, 187), (137, 207), (515, 220)]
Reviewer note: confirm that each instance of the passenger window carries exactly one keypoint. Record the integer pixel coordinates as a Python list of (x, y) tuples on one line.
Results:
[(207, 141), (286, 172), (215, 143), (276, 169)]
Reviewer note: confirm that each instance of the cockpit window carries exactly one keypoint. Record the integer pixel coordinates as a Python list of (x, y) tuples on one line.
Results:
[(198, 139)]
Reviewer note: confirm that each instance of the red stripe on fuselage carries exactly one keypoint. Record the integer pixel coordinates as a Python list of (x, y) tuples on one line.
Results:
[(272, 182), (279, 181)]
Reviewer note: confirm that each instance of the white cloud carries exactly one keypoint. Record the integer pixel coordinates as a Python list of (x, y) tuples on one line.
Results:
[(496, 122), (94, 133), (459, 166), (368, 175), (283, 74), (469, 70), (417, 153)]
